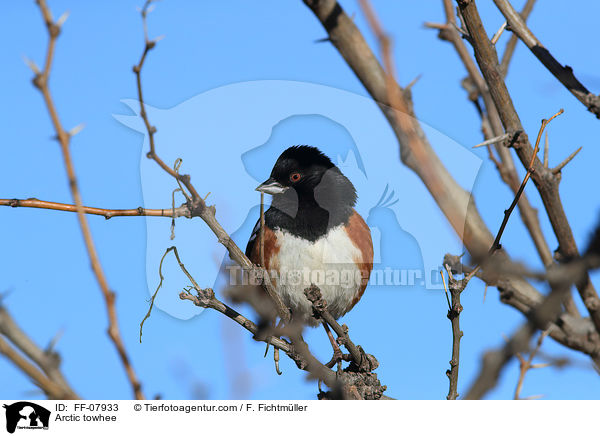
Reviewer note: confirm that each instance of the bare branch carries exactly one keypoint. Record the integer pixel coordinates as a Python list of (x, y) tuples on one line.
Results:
[(206, 298), (262, 230), (498, 34), (496, 244), (563, 73), (546, 150), (492, 128), (557, 169), (570, 331), (494, 140), (542, 316), (106, 213), (51, 381), (512, 42), (41, 82)]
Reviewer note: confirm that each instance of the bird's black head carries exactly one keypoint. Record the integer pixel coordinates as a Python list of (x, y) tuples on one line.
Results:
[(309, 188)]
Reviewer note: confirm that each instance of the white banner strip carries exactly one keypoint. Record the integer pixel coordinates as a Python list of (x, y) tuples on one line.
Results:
[(157, 417)]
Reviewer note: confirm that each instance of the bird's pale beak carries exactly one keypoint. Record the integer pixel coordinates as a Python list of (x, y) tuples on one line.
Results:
[(271, 186)]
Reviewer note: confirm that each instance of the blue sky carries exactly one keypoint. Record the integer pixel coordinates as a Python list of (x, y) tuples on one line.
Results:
[(230, 86)]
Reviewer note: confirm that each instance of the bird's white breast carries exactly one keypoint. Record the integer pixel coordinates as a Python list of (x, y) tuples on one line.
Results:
[(329, 263)]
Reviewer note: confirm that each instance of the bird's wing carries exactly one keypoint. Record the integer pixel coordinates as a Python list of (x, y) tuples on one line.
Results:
[(252, 240)]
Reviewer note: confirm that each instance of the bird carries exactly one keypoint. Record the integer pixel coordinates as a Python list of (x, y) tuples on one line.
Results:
[(313, 235)]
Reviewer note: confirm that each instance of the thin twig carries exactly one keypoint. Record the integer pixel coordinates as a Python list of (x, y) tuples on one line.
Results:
[(46, 360), (261, 256), (41, 82), (162, 278), (52, 389), (219, 306), (496, 245), (456, 288), (494, 361), (543, 316), (512, 42), (507, 213), (296, 350), (526, 364), (494, 140), (106, 213), (455, 308), (352, 46), (572, 332), (446, 290), (557, 169), (498, 34), (492, 128)]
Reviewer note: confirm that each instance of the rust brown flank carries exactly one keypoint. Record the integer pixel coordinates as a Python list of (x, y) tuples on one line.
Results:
[(360, 235), (271, 248)]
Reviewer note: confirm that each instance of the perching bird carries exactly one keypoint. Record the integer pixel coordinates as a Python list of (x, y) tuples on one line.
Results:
[(313, 235)]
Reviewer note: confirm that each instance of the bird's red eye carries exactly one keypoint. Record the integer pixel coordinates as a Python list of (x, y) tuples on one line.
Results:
[(294, 177)]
